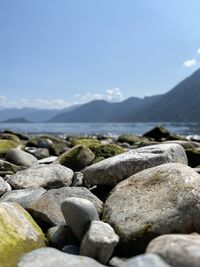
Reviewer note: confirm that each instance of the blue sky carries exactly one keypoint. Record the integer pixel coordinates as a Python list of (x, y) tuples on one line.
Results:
[(54, 53)]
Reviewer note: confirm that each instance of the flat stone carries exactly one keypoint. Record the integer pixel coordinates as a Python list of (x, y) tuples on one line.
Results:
[(113, 170), (39, 153), (99, 242), (19, 234), (160, 200), (178, 250), (24, 196), (78, 214), (46, 176), (46, 209), (146, 260), (48, 160), (52, 257), (20, 157)]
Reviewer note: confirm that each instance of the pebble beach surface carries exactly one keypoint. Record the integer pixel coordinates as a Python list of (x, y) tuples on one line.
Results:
[(130, 201)]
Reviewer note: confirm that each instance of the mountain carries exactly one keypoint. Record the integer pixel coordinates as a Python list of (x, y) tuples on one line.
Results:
[(98, 111), (32, 114), (178, 105), (182, 103)]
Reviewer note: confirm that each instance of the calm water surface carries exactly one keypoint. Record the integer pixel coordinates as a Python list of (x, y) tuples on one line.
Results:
[(113, 129)]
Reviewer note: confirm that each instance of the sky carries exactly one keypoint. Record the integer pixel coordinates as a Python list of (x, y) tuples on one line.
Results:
[(57, 53)]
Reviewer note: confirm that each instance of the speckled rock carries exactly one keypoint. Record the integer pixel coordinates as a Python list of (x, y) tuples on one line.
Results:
[(47, 208), (146, 260), (46, 176), (79, 213), (99, 242), (52, 257), (19, 234), (178, 250), (113, 170), (24, 196), (20, 157), (160, 200)]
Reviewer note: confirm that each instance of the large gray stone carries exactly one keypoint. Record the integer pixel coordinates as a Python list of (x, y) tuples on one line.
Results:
[(99, 242), (51, 257), (39, 153), (46, 176), (24, 196), (21, 158), (113, 170), (160, 200), (147, 260), (47, 208), (79, 213), (178, 250)]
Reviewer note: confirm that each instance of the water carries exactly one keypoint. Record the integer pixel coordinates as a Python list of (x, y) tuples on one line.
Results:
[(113, 129)]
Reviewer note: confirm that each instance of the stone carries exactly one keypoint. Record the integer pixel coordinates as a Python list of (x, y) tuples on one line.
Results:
[(52, 257), (19, 234), (9, 136), (177, 249), (130, 139), (24, 196), (159, 133), (71, 249), (77, 158), (113, 170), (89, 142), (77, 179), (146, 260), (160, 200), (39, 153), (3, 186), (6, 145), (21, 158), (46, 210), (78, 214), (48, 160), (55, 145), (8, 168), (185, 143), (46, 176), (193, 156), (99, 242), (107, 150), (20, 135), (117, 262), (61, 236)]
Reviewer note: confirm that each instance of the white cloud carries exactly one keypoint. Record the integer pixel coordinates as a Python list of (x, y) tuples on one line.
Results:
[(110, 95), (36, 103), (190, 63), (114, 94), (198, 51)]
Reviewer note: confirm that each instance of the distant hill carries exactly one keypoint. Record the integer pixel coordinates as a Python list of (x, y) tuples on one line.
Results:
[(16, 120), (32, 114), (182, 103)]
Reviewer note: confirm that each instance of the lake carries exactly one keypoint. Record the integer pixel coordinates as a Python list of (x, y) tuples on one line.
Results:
[(113, 129)]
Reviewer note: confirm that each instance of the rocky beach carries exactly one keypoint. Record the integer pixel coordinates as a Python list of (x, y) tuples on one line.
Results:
[(126, 201)]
